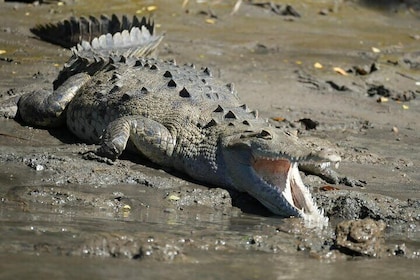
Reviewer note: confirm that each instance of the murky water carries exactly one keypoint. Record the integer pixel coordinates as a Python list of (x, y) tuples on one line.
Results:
[(42, 235)]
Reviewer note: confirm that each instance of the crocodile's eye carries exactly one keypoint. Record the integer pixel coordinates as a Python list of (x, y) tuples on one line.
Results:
[(264, 134)]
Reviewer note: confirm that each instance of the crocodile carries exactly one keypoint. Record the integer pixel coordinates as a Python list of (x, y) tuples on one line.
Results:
[(115, 93)]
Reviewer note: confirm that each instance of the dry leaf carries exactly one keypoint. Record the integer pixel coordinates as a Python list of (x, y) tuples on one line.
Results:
[(340, 71), (174, 197), (210, 21), (278, 119), (151, 8), (382, 99), (2, 51), (318, 65), (327, 188), (376, 50)]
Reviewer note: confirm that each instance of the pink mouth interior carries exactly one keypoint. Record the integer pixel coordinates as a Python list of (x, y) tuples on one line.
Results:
[(277, 173)]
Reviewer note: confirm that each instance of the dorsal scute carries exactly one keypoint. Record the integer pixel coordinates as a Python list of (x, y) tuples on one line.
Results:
[(70, 32), (92, 56), (136, 43)]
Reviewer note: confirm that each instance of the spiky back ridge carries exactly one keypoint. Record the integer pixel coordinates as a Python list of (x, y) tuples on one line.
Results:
[(70, 32), (92, 55)]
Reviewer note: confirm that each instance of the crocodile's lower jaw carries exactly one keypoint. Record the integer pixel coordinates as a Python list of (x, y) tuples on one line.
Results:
[(283, 175)]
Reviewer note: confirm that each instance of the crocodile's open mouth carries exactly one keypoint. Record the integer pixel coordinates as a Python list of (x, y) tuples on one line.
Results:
[(284, 175)]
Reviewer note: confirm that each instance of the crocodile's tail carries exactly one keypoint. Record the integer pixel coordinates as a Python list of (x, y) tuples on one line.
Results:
[(95, 42), (136, 42), (70, 32), (103, 36)]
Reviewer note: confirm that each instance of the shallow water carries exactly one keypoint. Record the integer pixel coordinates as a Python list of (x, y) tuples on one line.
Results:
[(44, 235)]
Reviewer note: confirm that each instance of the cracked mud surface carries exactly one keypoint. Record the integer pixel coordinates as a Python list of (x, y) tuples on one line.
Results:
[(62, 215)]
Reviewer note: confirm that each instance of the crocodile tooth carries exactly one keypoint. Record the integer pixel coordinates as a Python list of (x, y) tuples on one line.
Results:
[(144, 90), (184, 93), (154, 67), (230, 115), (167, 74), (171, 83), (207, 71)]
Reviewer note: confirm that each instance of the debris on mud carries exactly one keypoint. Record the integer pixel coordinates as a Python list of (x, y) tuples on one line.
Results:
[(278, 9), (360, 237)]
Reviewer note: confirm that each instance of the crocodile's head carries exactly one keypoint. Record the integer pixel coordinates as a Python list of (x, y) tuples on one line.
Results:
[(265, 164)]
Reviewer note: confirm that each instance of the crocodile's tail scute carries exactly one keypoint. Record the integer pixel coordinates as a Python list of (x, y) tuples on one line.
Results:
[(95, 42), (136, 42), (70, 32)]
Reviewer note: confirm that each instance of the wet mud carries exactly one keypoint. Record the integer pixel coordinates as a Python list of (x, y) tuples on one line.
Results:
[(345, 72)]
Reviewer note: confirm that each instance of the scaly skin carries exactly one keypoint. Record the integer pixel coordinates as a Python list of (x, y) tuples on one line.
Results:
[(176, 116)]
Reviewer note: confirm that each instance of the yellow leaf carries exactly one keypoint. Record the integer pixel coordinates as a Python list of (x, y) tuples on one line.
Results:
[(210, 21), (2, 51), (151, 8), (340, 71), (318, 65), (382, 99), (174, 197), (376, 50), (405, 107)]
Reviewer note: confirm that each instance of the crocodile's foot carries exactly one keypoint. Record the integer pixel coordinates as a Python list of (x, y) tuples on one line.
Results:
[(90, 155), (351, 182), (333, 177), (327, 173)]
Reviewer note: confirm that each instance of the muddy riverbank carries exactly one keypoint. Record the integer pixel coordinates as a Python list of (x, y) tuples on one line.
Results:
[(350, 70)]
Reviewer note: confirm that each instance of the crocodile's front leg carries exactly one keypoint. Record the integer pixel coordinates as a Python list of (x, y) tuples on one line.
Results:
[(45, 108), (149, 137)]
